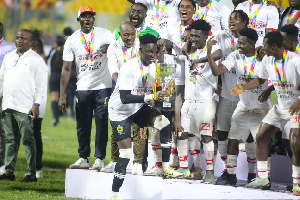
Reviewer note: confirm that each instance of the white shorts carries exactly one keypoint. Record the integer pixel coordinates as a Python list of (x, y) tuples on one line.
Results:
[(245, 121), (225, 110), (197, 117), (283, 122)]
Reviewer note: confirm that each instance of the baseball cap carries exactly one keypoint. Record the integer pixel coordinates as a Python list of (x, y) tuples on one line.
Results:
[(84, 9)]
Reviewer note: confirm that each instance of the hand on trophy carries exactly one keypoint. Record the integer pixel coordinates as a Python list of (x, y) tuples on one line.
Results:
[(161, 95)]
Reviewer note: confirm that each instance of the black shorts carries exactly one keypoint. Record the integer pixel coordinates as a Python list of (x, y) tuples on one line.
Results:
[(122, 129)]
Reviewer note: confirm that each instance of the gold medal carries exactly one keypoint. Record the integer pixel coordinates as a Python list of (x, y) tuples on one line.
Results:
[(191, 78), (284, 90)]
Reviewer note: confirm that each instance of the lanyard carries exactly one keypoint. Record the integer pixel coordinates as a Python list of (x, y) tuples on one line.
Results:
[(89, 46), (249, 76), (145, 78), (125, 53), (203, 16), (252, 19), (160, 10), (281, 79)]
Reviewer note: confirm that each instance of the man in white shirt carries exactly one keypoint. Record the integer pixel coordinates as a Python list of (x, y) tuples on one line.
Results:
[(200, 84), (118, 53), (85, 46), (263, 18), (130, 102), (249, 113), (21, 101), (227, 41), (214, 12), (160, 14), (283, 69), (5, 47)]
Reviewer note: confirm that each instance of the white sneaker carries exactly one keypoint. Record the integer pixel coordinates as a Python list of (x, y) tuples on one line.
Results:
[(81, 163), (137, 169), (39, 174), (110, 168), (114, 196), (2, 170), (98, 165), (154, 171)]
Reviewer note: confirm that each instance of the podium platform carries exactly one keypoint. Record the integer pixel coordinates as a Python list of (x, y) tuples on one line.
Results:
[(90, 184)]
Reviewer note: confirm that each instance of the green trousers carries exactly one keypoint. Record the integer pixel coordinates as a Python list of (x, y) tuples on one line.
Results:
[(17, 125), (138, 146)]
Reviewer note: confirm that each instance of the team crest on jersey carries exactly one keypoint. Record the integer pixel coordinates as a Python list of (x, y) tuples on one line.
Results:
[(120, 129)]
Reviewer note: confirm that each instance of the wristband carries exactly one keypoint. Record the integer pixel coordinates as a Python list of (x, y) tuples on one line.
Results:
[(36, 104), (148, 97)]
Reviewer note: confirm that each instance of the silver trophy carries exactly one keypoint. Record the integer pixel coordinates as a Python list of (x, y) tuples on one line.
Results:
[(164, 80)]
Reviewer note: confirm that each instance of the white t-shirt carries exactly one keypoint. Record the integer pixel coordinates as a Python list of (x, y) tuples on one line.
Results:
[(267, 17), (173, 33), (116, 56), (224, 38), (217, 15), (285, 20), (168, 14), (201, 86), (90, 75), (130, 78), (5, 47), (249, 97), (292, 75)]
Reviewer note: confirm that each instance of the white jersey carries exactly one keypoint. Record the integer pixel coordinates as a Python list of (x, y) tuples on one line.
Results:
[(292, 76), (267, 18), (225, 40), (202, 85), (90, 75), (118, 54), (249, 97), (130, 78), (167, 12), (217, 15), (174, 34), (290, 14)]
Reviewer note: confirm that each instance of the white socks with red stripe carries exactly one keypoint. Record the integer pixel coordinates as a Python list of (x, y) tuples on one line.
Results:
[(209, 155), (222, 145), (251, 157), (296, 174), (174, 162), (182, 147), (194, 148), (262, 169), (156, 146), (231, 164)]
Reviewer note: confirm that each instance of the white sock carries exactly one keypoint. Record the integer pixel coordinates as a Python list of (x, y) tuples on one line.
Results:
[(194, 148), (251, 157), (262, 169), (296, 174), (269, 167), (165, 164), (174, 161), (114, 194), (156, 146), (182, 147), (231, 163), (222, 145), (209, 155)]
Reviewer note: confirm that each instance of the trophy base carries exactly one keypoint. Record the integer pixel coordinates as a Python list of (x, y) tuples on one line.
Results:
[(164, 105)]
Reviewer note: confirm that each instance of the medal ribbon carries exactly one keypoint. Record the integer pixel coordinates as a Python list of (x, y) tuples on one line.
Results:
[(297, 49), (195, 56), (139, 30), (145, 79), (249, 76), (252, 19), (281, 79), (203, 16), (180, 33), (125, 54), (290, 15), (233, 48), (89, 46), (159, 10)]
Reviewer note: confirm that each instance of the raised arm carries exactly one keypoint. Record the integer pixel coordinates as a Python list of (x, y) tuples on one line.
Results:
[(216, 70)]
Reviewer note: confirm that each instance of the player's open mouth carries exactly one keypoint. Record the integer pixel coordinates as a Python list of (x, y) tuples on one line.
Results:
[(183, 14)]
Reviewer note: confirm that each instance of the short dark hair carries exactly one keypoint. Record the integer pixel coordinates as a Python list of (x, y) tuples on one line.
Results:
[(250, 33), (141, 4), (37, 44), (274, 37), (27, 31), (60, 40), (290, 30), (201, 25), (147, 39), (68, 31), (244, 17), (192, 1)]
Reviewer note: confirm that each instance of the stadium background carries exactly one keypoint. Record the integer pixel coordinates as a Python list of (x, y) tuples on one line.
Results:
[(50, 17)]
